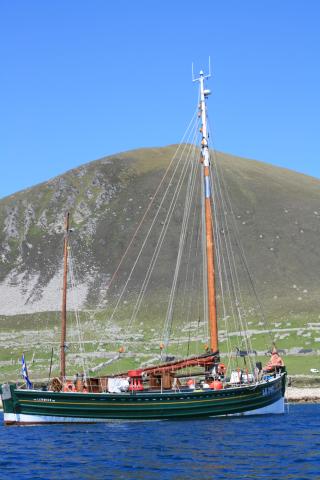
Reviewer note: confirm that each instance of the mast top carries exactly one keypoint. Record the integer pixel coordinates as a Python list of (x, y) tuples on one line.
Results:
[(201, 73)]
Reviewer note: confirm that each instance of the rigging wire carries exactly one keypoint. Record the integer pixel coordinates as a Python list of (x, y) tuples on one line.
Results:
[(228, 273), (234, 284), (245, 264), (150, 228), (161, 237), (75, 299), (226, 205), (151, 202), (186, 214), (245, 261), (188, 290), (221, 269)]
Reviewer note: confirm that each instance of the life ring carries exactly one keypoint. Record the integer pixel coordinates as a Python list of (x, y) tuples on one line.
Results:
[(69, 386), (56, 385)]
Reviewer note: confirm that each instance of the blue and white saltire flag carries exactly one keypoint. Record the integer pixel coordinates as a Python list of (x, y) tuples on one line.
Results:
[(24, 372)]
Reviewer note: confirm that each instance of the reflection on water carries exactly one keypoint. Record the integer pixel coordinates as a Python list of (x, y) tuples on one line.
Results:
[(273, 447)]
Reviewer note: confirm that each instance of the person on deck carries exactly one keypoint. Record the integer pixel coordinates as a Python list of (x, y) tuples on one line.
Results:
[(274, 362)]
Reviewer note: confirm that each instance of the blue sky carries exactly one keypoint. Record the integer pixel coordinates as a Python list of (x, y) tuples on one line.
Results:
[(83, 79)]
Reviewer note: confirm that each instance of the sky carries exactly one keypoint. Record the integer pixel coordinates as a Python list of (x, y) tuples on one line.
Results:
[(84, 79)]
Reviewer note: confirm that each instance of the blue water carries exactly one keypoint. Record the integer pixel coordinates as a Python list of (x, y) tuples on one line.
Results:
[(273, 447)]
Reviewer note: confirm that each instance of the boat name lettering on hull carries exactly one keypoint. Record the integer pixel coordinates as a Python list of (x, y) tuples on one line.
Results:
[(43, 400), (268, 391)]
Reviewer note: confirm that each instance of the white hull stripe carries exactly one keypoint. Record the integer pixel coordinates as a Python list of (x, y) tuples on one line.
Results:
[(275, 408), (21, 418)]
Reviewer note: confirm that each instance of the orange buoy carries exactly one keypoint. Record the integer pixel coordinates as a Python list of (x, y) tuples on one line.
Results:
[(216, 385)]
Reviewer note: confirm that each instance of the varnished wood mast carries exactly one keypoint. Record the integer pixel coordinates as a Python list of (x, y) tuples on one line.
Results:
[(212, 309), (213, 326), (64, 300)]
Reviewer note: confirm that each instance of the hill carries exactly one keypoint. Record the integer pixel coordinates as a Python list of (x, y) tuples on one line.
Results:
[(277, 211)]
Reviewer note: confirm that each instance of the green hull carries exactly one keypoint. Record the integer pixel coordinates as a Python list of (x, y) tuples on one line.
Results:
[(35, 406)]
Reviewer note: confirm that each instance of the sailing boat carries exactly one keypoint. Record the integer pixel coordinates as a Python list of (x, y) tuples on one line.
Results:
[(192, 387)]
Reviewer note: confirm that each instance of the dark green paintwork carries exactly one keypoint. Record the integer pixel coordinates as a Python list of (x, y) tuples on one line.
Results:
[(147, 405)]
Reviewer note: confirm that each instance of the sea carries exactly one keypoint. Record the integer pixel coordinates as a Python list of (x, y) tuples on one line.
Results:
[(258, 447)]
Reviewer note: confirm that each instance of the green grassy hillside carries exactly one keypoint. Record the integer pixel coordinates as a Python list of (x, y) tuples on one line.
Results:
[(277, 213)]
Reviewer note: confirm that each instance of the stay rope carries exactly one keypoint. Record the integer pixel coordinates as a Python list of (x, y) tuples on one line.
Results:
[(150, 204), (182, 147), (186, 215), (75, 301), (162, 235)]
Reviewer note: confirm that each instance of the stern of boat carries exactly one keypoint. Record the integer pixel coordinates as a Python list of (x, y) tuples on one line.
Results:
[(7, 397)]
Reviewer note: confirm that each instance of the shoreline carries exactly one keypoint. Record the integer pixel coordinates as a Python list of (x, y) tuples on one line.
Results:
[(303, 394)]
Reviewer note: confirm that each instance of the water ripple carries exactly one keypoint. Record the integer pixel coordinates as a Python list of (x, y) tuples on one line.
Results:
[(270, 447)]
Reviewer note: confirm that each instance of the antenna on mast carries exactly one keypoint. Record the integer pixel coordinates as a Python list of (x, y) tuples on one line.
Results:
[(202, 75)]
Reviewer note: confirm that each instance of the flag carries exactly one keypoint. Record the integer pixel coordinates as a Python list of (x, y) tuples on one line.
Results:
[(24, 372)]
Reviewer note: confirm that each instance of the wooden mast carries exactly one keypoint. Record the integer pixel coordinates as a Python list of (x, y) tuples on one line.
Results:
[(64, 300), (212, 310)]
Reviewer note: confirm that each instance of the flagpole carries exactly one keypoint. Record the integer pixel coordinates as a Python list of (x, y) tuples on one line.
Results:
[(24, 372)]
